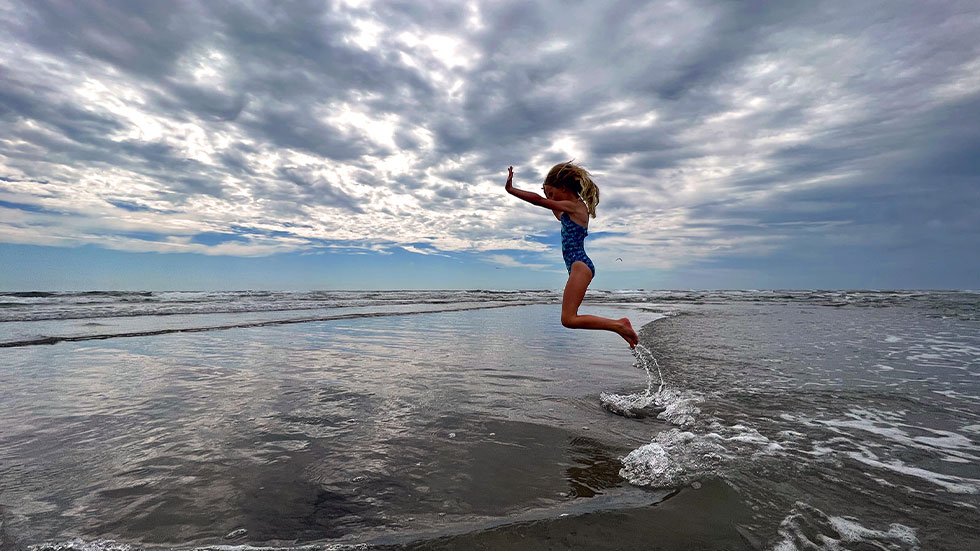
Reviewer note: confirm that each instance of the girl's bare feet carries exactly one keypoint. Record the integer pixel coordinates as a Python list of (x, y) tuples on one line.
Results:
[(628, 333)]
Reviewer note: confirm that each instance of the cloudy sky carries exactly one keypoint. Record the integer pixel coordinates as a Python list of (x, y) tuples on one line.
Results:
[(359, 144)]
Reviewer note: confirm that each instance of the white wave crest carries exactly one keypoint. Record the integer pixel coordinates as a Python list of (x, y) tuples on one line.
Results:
[(808, 528), (79, 544)]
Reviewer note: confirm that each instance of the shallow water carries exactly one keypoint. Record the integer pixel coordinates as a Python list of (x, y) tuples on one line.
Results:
[(306, 431), (822, 419)]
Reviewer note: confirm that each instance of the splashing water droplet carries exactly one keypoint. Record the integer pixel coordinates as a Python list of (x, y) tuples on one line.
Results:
[(630, 404)]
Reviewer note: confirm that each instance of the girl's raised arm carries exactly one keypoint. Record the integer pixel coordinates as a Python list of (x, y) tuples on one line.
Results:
[(535, 199)]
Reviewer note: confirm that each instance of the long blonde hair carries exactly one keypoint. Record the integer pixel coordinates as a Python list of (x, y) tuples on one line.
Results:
[(576, 179)]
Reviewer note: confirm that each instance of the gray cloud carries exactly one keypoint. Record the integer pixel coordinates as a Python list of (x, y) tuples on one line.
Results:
[(718, 131)]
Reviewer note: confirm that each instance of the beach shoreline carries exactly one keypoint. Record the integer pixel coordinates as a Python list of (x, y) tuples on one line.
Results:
[(484, 428)]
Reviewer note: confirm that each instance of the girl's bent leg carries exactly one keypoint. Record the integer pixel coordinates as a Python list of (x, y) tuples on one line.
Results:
[(578, 283)]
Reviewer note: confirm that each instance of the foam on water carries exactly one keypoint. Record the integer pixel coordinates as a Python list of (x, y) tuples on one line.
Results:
[(79, 544), (629, 405), (707, 447), (952, 484), (676, 406), (673, 458), (680, 406), (807, 528), (878, 434), (847, 439), (676, 457)]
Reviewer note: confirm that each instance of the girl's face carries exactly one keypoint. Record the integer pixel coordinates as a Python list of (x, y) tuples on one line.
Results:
[(555, 194)]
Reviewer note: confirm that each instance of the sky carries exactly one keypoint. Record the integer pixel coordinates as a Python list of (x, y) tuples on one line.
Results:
[(365, 145)]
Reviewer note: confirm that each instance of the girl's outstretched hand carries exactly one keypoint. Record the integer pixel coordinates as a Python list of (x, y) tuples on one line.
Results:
[(510, 178)]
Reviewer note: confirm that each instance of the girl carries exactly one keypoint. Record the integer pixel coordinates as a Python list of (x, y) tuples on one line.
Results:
[(572, 196)]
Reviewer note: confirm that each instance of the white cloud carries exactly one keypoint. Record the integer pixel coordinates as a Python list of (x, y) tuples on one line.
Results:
[(510, 262), (707, 126)]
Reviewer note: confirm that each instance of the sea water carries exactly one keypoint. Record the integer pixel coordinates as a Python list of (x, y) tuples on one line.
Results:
[(634, 405), (463, 419)]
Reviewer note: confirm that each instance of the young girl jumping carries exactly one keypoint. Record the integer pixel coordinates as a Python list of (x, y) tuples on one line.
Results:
[(572, 196)]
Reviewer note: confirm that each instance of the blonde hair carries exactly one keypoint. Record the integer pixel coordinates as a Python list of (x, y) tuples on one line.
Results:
[(575, 179)]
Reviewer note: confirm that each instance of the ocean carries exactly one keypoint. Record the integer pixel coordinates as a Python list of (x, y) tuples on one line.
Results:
[(773, 420)]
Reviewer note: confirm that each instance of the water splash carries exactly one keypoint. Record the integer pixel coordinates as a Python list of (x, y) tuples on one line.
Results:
[(674, 458), (632, 405)]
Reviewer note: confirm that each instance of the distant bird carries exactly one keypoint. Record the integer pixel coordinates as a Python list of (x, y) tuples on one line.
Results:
[(619, 259)]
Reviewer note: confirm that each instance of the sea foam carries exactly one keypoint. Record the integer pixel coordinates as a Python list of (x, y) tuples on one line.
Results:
[(673, 458), (808, 528), (631, 405), (79, 544), (678, 407)]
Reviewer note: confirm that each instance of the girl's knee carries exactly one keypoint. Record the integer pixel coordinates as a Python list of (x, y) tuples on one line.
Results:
[(568, 320)]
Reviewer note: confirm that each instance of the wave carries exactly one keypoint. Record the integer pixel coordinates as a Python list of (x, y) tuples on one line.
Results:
[(24, 306), (79, 544), (53, 306), (30, 294), (808, 528), (102, 336), (46, 294)]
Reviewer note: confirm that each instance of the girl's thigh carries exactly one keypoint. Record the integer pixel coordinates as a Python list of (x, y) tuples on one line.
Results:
[(578, 283)]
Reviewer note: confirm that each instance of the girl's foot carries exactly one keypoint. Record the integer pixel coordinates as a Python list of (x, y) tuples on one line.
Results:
[(628, 333)]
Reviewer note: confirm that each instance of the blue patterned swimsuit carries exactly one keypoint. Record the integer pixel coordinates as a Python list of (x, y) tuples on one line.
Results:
[(573, 243)]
